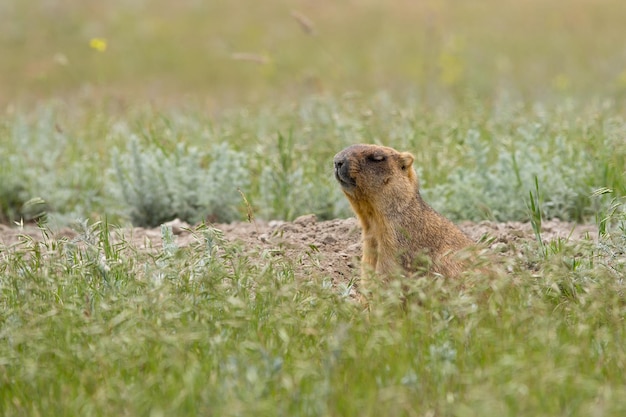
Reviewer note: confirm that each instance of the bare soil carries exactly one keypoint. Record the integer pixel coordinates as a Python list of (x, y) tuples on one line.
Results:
[(329, 247)]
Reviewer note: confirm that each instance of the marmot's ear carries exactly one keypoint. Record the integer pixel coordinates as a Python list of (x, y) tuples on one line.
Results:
[(406, 160)]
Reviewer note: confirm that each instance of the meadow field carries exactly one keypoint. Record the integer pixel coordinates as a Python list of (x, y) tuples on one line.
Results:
[(118, 117)]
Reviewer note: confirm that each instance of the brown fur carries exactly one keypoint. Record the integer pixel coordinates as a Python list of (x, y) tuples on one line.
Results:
[(399, 227)]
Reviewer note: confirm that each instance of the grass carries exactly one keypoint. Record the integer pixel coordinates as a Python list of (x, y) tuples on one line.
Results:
[(132, 112), (96, 326)]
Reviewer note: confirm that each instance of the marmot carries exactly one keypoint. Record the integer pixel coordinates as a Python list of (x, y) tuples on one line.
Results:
[(399, 227)]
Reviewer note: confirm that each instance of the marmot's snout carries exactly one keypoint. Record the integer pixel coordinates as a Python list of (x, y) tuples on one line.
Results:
[(342, 171)]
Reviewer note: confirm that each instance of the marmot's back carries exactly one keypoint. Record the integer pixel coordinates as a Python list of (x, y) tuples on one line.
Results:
[(398, 226)]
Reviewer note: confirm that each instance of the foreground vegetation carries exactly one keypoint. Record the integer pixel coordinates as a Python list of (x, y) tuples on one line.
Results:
[(95, 326), (137, 112)]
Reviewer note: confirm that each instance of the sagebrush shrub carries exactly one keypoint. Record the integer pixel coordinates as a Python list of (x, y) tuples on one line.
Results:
[(292, 184), (41, 162), (475, 162), (13, 189), (157, 185), (499, 189)]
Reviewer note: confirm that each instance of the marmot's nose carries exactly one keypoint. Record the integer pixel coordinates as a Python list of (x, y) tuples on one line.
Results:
[(342, 167), (339, 162), (342, 172)]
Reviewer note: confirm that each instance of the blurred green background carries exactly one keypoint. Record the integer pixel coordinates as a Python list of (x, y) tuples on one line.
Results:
[(122, 107), (228, 52)]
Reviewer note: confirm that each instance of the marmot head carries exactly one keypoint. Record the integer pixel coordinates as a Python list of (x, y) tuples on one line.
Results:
[(372, 171)]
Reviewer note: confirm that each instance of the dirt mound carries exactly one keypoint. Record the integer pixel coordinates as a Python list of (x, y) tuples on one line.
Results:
[(330, 247)]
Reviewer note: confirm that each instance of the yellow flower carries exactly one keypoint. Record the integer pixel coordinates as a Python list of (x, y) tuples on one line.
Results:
[(561, 82), (621, 80), (451, 64), (99, 44)]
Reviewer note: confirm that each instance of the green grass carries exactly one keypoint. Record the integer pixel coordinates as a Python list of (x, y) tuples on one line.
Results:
[(96, 327), (514, 111)]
